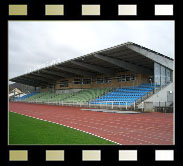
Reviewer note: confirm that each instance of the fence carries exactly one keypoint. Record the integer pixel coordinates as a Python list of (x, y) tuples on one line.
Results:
[(114, 105), (122, 105), (157, 106), (105, 104), (119, 105)]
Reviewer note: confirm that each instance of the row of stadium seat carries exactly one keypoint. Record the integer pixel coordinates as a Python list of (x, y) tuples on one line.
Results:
[(133, 89), (34, 97), (124, 96), (150, 85), (26, 96), (81, 96), (60, 97), (46, 97), (87, 95)]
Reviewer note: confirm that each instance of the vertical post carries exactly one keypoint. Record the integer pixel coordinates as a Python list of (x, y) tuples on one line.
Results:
[(134, 106), (155, 88), (112, 104), (126, 105), (142, 106)]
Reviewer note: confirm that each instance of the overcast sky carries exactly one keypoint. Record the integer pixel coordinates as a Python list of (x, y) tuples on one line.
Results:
[(36, 43)]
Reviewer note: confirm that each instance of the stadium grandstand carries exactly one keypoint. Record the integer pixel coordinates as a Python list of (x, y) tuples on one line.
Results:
[(124, 76)]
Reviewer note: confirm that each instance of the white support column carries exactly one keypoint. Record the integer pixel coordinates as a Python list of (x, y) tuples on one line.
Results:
[(142, 106)]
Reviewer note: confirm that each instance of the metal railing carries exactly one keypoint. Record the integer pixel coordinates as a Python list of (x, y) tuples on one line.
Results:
[(157, 106), (162, 103), (113, 105), (104, 104)]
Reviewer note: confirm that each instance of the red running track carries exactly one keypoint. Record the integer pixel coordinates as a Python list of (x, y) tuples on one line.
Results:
[(126, 129)]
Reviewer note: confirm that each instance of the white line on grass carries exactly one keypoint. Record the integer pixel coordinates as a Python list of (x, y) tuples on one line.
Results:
[(74, 128)]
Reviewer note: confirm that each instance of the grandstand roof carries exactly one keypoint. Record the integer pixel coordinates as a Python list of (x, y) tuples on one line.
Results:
[(124, 57)]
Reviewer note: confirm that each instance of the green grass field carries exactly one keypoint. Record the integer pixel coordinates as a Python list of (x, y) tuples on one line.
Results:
[(29, 131)]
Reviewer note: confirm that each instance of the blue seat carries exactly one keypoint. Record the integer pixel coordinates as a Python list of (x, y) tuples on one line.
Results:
[(123, 95)]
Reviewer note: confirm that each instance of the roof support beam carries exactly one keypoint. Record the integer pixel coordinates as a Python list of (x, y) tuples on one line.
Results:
[(93, 67), (23, 81), (75, 71), (155, 57), (56, 73), (123, 64), (33, 81), (48, 76), (39, 78)]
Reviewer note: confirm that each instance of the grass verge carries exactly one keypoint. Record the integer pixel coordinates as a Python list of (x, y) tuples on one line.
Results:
[(29, 131)]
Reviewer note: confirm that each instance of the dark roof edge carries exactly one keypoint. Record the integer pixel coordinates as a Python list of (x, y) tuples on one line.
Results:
[(90, 54), (145, 48)]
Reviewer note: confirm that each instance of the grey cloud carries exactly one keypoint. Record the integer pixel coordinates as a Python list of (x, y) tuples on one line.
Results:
[(34, 43)]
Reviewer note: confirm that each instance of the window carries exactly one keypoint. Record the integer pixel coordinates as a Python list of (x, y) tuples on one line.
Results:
[(123, 78), (86, 81), (118, 78), (107, 79), (133, 77), (127, 77), (77, 81), (64, 83), (50, 86), (100, 80), (157, 70), (163, 79), (168, 76)]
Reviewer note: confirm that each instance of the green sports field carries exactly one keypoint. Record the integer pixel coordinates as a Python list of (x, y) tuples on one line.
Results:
[(29, 131)]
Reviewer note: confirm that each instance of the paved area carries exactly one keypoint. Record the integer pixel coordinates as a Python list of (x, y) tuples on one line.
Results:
[(126, 129)]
